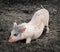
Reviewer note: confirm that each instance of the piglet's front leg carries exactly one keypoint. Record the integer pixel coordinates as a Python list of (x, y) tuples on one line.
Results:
[(28, 40)]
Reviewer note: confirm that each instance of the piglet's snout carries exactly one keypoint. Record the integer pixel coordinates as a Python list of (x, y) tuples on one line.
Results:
[(11, 39)]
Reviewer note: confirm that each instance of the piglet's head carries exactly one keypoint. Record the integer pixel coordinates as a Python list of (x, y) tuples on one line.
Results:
[(17, 32)]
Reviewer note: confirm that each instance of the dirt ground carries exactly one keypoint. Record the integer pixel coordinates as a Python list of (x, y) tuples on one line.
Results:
[(23, 13)]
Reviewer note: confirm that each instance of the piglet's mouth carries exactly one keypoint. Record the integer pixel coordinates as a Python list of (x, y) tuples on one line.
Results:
[(11, 39)]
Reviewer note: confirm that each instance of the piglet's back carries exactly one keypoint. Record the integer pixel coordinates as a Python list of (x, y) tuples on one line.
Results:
[(40, 16)]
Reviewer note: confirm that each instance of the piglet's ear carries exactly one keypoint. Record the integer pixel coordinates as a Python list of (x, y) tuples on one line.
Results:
[(14, 25), (23, 30)]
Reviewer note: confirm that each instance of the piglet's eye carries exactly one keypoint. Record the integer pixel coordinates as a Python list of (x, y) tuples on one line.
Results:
[(15, 34)]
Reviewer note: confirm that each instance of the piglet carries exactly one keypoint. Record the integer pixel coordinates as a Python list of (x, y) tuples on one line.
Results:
[(31, 30)]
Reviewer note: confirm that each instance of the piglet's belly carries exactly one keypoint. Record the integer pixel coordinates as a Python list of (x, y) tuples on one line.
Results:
[(38, 32), (37, 35)]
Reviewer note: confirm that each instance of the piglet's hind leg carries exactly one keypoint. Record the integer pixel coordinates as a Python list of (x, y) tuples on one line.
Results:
[(47, 29)]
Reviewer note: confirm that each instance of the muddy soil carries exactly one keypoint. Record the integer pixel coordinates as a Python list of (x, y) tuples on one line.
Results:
[(20, 13)]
